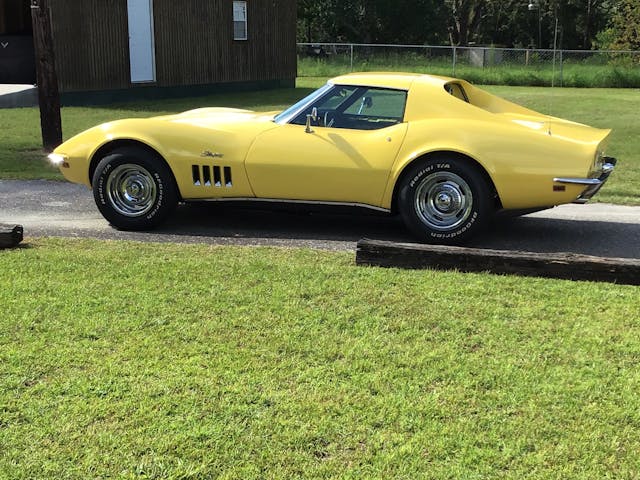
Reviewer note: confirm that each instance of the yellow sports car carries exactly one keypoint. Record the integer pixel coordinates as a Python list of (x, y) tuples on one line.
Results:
[(442, 153)]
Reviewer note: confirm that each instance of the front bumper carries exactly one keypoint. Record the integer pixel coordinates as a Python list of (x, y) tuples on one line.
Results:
[(593, 185)]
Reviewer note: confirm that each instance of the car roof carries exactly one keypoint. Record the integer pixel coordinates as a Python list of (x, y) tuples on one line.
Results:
[(399, 80)]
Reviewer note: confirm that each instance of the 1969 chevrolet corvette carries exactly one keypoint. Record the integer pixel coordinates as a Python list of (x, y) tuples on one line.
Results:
[(442, 153)]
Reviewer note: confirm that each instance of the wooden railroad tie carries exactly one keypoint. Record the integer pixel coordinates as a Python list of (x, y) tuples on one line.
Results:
[(569, 266), (10, 235)]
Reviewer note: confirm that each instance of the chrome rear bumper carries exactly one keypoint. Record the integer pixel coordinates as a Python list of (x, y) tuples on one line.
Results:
[(592, 184)]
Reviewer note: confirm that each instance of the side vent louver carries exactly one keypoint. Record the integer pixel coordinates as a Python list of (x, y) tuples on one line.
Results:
[(227, 177), (206, 175), (195, 172), (202, 176)]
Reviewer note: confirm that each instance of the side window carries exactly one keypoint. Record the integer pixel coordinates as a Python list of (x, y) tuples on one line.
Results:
[(379, 105), (357, 108), (336, 98), (239, 20)]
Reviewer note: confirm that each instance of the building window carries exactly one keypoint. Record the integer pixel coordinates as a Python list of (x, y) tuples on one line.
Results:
[(239, 20)]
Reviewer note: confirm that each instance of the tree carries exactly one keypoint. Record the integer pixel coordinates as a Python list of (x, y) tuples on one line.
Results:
[(510, 23), (412, 21), (371, 21), (315, 21), (579, 21), (464, 19), (624, 28), (518, 23)]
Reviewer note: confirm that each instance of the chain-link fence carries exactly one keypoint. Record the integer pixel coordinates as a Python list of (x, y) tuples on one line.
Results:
[(484, 65)]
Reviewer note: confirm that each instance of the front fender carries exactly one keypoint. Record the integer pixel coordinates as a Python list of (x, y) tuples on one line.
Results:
[(181, 145)]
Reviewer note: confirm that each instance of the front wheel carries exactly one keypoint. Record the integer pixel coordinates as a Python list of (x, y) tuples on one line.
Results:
[(133, 189), (444, 200)]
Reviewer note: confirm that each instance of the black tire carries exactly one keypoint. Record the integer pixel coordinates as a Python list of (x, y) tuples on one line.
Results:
[(445, 200), (134, 189)]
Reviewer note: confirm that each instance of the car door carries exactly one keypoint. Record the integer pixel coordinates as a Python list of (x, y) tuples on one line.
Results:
[(345, 157)]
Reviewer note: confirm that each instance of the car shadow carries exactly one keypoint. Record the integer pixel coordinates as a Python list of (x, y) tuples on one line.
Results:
[(285, 222), (345, 224), (550, 235)]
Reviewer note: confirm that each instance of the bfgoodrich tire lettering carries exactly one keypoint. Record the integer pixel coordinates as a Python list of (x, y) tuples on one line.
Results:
[(444, 200), (133, 189)]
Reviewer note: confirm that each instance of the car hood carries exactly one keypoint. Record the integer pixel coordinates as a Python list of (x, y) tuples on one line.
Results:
[(220, 118)]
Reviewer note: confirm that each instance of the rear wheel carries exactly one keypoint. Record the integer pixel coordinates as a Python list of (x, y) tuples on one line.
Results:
[(133, 189), (444, 200)]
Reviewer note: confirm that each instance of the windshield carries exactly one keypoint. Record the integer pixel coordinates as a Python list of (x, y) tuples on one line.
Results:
[(293, 110)]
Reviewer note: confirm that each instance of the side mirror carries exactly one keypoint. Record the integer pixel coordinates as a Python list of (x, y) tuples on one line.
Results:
[(311, 116)]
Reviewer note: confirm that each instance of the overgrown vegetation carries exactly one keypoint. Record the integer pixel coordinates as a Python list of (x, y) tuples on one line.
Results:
[(618, 71), (172, 361)]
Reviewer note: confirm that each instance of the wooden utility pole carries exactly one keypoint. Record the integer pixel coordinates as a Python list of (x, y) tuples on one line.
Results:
[(47, 80)]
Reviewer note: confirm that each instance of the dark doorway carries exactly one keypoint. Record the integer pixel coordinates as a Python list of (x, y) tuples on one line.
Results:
[(17, 59)]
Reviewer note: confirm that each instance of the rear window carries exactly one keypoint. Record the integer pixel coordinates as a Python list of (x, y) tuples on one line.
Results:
[(456, 90)]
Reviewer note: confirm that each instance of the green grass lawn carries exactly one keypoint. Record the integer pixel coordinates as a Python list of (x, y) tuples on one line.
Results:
[(20, 155), (126, 360)]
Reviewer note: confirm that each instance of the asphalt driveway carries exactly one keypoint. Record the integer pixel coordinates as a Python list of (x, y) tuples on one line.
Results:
[(63, 209)]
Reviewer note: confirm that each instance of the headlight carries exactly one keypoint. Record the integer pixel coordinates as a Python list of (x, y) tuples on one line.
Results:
[(58, 159)]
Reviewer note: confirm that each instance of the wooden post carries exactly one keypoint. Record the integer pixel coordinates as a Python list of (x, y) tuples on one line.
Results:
[(10, 235), (569, 266), (47, 80)]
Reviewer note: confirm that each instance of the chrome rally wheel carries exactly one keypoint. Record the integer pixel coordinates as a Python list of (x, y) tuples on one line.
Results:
[(131, 190), (445, 199), (134, 189)]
